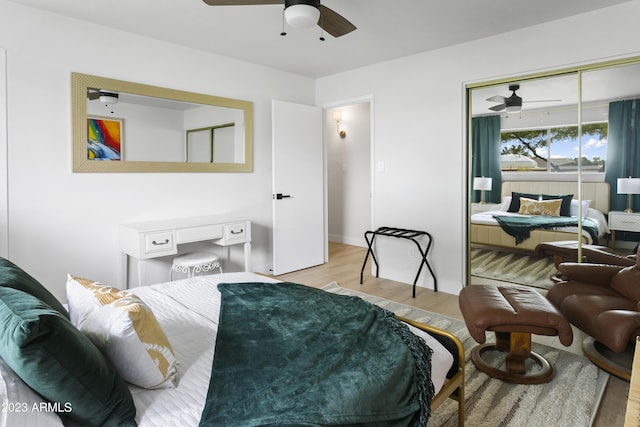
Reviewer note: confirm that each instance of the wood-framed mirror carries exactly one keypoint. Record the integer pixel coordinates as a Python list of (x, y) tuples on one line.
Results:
[(121, 126)]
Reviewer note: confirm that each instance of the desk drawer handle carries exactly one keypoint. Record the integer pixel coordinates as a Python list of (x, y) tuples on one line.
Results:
[(237, 232), (166, 241)]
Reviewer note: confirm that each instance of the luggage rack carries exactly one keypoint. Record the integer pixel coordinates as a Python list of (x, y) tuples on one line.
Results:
[(401, 233)]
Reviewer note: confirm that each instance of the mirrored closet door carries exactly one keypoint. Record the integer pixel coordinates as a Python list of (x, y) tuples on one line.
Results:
[(538, 146)]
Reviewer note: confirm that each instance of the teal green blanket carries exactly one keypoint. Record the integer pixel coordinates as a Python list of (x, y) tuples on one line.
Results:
[(290, 355), (520, 227)]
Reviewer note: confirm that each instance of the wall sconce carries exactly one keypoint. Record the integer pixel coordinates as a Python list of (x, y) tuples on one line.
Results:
[(337, 116), (483, 184), (628, 186)]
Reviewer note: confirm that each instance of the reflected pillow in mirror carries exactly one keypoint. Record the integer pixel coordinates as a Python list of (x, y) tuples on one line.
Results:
[(542, 207), (585, 207)]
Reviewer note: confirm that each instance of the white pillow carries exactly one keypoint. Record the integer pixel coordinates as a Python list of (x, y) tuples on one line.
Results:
[(82, 301), (573, 209), (125, 329), (506, 202)]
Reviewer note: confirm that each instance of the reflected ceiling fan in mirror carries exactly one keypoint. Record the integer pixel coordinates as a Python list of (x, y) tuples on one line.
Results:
[(513, 103), (106, 97), (300, 13)]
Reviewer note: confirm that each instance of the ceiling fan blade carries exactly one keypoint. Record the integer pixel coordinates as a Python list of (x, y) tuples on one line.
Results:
[(545, 100), (497, 98), (241, 2), (498, 107), (334, 23)]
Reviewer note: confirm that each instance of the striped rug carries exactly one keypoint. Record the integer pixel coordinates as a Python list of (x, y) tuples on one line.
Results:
[(512, 267), (570, 399)]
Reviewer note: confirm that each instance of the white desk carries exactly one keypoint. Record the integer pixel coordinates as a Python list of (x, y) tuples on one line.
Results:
[(152, 239)]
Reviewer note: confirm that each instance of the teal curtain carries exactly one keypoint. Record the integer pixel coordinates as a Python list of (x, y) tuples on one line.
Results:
[(485, 156), (623, 149)]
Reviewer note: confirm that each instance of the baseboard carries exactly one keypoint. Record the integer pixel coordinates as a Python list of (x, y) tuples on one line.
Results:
[(353, 241), (263, 269)]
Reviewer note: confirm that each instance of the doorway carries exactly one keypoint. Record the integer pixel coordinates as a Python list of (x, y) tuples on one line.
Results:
[(348, 137)]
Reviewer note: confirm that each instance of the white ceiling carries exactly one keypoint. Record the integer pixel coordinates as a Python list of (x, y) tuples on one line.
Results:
[(387, 29)]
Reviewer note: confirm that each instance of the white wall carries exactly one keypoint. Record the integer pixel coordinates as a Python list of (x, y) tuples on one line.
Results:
[(349, 174), (4, 213), (148, 133), (63, 222), (420, 125)]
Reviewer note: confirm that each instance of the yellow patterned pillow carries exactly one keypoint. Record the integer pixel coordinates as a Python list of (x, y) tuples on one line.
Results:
[(125, 329), (549, 207)]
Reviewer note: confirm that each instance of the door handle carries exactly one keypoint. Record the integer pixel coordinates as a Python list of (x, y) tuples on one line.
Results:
[(279, 196)]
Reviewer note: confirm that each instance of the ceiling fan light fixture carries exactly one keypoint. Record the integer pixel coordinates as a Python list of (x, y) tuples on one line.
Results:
[(302, 15), (108, 98), (513, 108)]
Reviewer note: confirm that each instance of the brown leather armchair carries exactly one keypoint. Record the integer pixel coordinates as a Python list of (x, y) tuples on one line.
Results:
[(601, 300), (567, 251)]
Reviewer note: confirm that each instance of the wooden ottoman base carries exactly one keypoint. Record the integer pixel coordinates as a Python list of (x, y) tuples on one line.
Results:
[(513, 313), (517, 345)]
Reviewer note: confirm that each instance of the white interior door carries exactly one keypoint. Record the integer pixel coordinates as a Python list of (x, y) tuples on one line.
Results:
[(298, 187)]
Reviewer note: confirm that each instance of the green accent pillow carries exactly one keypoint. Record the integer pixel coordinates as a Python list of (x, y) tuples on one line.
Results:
[(14, 277), (60, 363)]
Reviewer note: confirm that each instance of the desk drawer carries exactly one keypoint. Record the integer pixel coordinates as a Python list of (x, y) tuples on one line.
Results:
[(155, 243), (235, 232), (199, 234)]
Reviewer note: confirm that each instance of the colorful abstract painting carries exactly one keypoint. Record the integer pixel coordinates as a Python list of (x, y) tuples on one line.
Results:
[(104, 138)]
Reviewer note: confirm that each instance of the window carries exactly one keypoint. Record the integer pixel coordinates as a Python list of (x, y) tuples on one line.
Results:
[(554, 149)]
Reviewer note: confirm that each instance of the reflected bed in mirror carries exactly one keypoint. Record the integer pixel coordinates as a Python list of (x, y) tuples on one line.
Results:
[(120, 126)]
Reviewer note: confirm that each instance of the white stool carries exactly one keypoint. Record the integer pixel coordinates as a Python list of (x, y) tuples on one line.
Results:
[(194, 263)]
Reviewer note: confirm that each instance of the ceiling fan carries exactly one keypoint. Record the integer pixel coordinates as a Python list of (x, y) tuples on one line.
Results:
[(300, 13), (105, 96), (513, 103)]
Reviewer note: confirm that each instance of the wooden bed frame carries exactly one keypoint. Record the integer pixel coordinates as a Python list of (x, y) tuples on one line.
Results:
[(453, 386), (493, 235)]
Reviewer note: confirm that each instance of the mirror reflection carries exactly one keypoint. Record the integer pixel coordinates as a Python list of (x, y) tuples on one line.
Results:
[(124, 126), (541, 137)]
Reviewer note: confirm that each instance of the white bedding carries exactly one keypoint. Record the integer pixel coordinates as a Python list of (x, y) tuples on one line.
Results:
[(188, 312), (486, 218)]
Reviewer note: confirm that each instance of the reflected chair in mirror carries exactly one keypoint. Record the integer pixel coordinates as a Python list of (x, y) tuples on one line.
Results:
[(567, 251)]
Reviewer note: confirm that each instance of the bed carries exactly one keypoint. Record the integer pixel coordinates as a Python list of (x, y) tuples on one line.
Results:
[(188, 312), (485, 229)]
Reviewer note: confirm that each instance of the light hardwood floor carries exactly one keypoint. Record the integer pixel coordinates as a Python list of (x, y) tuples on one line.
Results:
[(344, 266)]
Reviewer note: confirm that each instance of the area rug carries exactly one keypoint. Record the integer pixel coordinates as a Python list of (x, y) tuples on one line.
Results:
[(522, 269), (571, 398)]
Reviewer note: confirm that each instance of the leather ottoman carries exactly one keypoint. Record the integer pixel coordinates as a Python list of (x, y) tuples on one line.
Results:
[(513, 313)]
